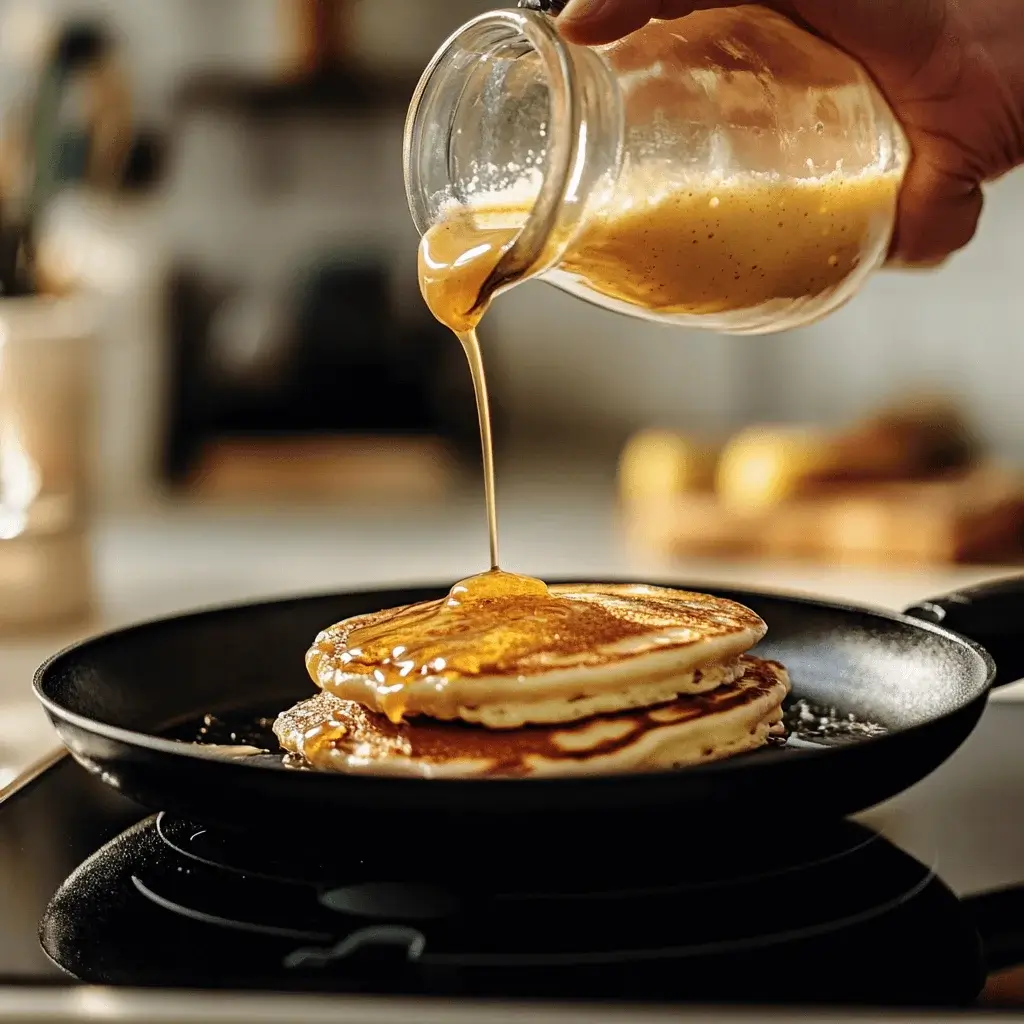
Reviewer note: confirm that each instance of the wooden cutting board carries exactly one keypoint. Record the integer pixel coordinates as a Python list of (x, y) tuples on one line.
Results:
[(975, 515), (326, 469)]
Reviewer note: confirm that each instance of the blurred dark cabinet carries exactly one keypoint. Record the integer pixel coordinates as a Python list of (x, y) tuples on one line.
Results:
[(335, 360)]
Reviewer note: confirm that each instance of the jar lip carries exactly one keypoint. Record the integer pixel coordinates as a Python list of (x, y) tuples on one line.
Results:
[(489, 34)]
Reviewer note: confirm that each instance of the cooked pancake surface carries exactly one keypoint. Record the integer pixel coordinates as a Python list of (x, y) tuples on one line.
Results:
[(505, 650), (343, 736)]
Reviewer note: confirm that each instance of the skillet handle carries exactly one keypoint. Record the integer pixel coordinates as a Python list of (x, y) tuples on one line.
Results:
[(992, 615)]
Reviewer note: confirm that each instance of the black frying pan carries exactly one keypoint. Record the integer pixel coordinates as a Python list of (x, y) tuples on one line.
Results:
[(114, 698)]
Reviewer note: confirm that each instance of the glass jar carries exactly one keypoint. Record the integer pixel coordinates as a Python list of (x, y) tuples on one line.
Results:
[(728, 170)]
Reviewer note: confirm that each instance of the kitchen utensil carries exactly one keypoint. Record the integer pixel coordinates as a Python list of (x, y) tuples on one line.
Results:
[(96, 151), (15, 276), (113, 699)]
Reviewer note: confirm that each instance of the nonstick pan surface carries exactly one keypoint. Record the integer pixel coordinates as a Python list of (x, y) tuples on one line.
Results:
[(114, 699)]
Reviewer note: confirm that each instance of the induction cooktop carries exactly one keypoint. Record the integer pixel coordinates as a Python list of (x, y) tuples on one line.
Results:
[(919, 903)]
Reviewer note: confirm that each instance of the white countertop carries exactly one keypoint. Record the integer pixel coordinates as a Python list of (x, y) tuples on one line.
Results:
[(557, 521), (125, 1006)]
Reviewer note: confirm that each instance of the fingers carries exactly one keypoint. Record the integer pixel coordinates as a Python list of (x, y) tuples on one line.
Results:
[(591, 22), (937, 217), (871, 28)]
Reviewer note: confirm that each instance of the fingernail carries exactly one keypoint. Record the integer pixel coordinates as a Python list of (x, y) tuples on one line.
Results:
[(582, 10)]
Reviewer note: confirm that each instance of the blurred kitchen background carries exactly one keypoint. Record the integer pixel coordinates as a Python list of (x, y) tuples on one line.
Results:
[(222, 180), (260, 262)]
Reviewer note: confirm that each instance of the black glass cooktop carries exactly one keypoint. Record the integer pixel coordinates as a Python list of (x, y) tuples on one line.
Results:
[(916, 906)]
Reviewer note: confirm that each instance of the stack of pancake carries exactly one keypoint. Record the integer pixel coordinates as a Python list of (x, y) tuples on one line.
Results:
[(508, 677)]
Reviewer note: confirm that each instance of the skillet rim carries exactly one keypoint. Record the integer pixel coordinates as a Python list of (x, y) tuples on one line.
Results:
[(178, 748)]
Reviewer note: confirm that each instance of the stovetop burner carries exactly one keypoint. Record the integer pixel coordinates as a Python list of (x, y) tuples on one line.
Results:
[(826, 916), (653, 910), (729, 857)]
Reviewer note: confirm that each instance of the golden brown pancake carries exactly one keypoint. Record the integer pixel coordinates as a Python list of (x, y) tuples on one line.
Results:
[(505, 651), (343, 736)]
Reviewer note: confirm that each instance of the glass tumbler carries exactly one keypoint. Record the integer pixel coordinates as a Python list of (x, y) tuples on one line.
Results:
[(46, 408)]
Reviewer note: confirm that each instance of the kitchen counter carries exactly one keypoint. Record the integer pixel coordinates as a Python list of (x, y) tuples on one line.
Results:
[(558, 520)]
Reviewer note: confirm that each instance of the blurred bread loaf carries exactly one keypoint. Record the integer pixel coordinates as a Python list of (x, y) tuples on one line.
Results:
[(764, 466), (663, 463), (908, 485)]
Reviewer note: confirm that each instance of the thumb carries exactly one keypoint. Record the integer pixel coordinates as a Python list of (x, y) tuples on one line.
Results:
[(590, 22), (938, 215)]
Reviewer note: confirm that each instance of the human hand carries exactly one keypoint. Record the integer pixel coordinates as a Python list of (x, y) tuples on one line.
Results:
[(952, 70)]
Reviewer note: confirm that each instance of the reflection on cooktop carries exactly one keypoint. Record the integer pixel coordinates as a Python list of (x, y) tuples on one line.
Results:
[(840, 915)]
